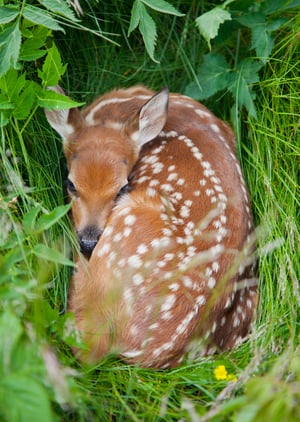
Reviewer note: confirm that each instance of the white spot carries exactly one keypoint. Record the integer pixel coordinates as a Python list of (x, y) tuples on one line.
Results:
[(200, 300), (181, 181), (202, 113), (236, 322), (135, 261), (104, 250), (167, 232), (167, 187), (184, 211), (174, 287), (177, 196), (117, 237), (157, 167), (187, 282), (132, 354), (142, 249), (215, 128), (168, 304), (154, 182), (130, 219), (126, 231), (203, 182), (154, 326), (172, 176), (208, 173), (215, 266), (209, 192), (143, 179), (124, 211), (166, 315), (151, 192), (211, 282), (137, 279)]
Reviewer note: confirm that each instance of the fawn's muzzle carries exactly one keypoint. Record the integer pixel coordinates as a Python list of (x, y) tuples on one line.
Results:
[(88, 239)]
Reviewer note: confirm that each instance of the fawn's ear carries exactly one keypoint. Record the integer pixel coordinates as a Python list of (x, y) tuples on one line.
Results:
[(65, 122), (150, 120)]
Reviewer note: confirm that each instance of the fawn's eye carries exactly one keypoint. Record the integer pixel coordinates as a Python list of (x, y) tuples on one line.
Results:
[(71, 188), (122, 191)]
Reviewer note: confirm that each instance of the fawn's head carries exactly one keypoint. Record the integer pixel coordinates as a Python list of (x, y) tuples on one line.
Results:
[(100, 160)]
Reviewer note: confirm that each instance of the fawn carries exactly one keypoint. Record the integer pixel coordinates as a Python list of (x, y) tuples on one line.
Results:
[(164, 222)]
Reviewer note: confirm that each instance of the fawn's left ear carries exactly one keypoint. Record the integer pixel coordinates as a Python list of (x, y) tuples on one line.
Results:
[(65, 122), (150, 120)]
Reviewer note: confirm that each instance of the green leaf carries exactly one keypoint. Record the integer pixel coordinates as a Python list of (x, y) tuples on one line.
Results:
[(147, 28), (48, 220), (213, 76), (41, 17), (60, 8), (209, 23), (241, 81), (10, 41), (29, 219), (25, 101), (8, 14), (135, 16), (53, 68), (49, 254), (24, 399), (53, 101), (10, 333), (262, 40), (162, 6), (31, 47)]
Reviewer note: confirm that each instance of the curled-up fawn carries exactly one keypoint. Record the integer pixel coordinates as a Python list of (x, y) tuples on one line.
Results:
[(163, 218)]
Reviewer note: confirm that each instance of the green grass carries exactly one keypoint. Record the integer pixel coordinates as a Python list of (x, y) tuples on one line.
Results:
[(35, 339)]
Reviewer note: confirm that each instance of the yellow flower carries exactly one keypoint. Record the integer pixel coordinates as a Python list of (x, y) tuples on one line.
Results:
[(220, 372)]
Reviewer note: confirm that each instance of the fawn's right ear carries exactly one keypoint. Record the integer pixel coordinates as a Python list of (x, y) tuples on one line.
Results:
[(66, 122)]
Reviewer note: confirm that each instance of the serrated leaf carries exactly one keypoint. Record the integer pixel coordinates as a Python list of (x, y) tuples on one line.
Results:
[(60, 8), (213, 76), (209, 23), (8, 14), (262, 40), (48, 220), (53, 68), (135, 16), (41, 17), (147, 28), (53, 101), (162, 6), (25, 102), (10, 41), (50, 254), (31, 47), (241, 81), (24, 399)]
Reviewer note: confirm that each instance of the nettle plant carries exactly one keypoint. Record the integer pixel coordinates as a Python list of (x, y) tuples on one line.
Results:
[(232, 64)]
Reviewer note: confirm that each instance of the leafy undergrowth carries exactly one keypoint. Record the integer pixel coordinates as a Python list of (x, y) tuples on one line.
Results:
[(39, 377)]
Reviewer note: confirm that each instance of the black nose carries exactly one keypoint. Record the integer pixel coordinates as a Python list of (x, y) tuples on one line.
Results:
[(88, 239)]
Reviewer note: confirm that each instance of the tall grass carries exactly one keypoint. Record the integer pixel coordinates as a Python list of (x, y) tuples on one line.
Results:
[(36, 342)]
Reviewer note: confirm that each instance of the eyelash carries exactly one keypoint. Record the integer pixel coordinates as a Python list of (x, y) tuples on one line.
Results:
[(122, 191), (71, 188)]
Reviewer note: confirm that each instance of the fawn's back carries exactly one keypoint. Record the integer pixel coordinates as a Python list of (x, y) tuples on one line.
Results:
[(163, 216)]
